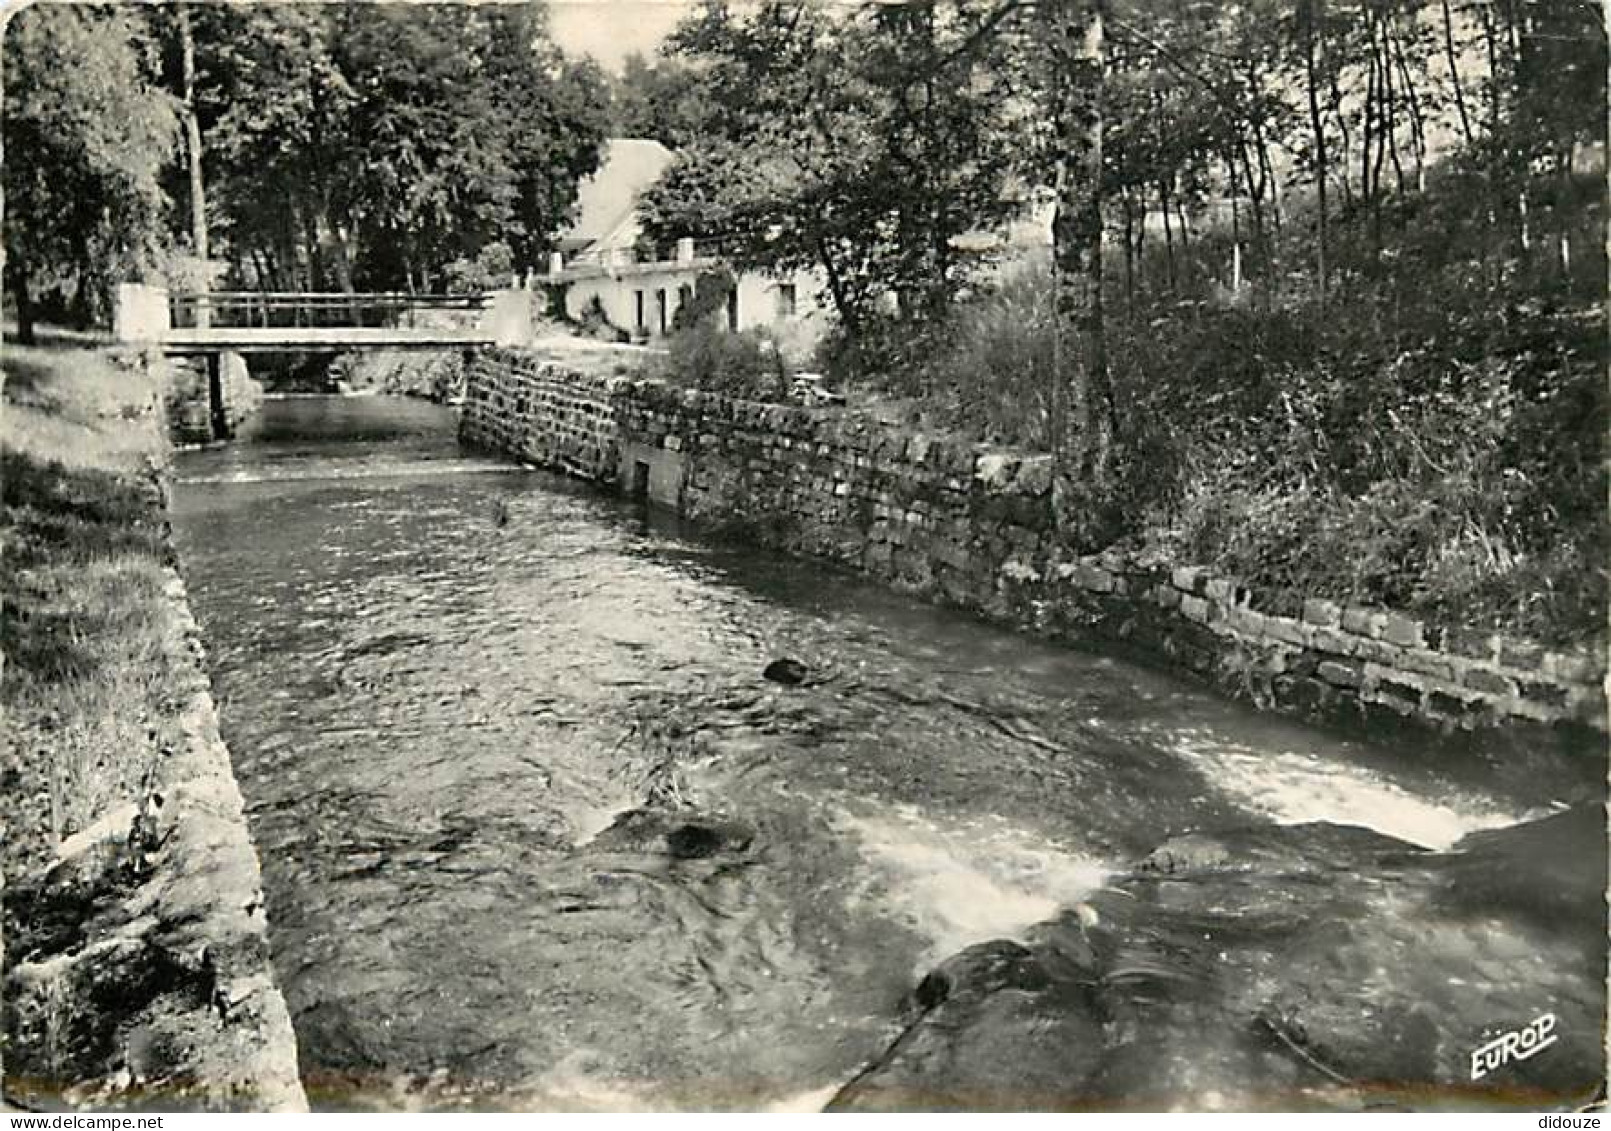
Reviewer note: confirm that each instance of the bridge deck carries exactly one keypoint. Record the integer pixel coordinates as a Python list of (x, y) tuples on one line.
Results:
[(309, 339)]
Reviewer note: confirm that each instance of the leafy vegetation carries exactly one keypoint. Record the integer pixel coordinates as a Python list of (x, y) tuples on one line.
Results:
[(87, 134), (342, 147), (747, 365), (1319, 305)]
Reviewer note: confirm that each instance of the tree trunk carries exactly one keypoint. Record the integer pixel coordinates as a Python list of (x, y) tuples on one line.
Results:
[(1169, 232), (1417, 122), (1084, 425), (848, 315), (1129, 253), (1454, 72), (198, 192), (18, 281), (1314, 14)]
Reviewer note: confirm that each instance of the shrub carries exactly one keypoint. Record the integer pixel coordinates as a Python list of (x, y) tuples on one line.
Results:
[(747, 364), (1426, 434)]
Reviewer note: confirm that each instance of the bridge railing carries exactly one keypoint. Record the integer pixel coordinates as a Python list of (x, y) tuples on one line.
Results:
[(297, 309)]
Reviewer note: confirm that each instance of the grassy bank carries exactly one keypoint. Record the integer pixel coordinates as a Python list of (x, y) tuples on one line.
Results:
[(82, 579), (86, 677)]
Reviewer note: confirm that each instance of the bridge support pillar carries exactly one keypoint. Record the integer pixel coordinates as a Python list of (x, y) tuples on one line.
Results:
[(217, 411)]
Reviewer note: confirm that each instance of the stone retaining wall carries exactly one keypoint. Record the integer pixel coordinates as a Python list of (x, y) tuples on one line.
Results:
[(523, 406), (143, 980), (971, 526)]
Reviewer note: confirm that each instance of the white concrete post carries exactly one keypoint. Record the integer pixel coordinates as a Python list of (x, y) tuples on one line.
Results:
[(508, 318), (140, 313)]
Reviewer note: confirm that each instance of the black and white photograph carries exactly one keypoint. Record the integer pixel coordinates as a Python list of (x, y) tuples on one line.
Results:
[(793, 556)]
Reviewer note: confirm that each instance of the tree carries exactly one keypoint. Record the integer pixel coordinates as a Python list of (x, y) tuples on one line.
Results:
[(393, 147), (665, 99), (193, 150), (858, 144), (1083, 412), (86, 135)]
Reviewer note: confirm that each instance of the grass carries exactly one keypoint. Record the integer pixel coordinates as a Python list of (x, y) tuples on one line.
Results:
[(83, 620)]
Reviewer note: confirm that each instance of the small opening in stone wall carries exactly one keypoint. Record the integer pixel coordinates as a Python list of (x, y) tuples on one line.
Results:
[(640, 479)]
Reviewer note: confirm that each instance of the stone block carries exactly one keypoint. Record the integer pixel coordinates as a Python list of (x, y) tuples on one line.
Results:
[(1571, 668), (1520, 655), (1470, 643), (1423, 662), (1333, 641), (1189, 579), (1034, 477), (1365, 622), (1286, 629), (1341, 675), (1400, 695), (1545, 694), (1403, 631), (1488, 682), (1194, 609), (1325, 614)]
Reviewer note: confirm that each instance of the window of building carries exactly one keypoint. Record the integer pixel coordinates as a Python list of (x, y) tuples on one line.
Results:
[(786, 300), (637, 298), (732, 309), (663, 305)]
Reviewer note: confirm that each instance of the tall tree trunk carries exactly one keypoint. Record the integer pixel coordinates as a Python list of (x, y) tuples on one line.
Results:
[(1345, 159), (1084, 424), (1367, 128), (1454, 72), (1417, 122), (1390, 106), (1314, 15), (17, 280), (1129, 253), (1169, 231), (848, 315), (198, 190)]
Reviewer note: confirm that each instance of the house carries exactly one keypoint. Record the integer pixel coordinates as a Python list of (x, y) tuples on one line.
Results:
[(598, 268)]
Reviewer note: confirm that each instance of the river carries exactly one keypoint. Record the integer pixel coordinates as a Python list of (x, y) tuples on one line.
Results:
[(445, 680)]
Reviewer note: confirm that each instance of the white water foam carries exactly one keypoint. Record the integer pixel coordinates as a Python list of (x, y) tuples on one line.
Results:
[(1291, 788), (970, 883)]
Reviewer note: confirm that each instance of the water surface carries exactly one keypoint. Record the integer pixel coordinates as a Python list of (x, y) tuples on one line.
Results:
[(444, 680)]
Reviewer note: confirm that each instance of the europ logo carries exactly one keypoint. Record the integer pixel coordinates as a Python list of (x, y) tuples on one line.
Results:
[(1518, 1044)]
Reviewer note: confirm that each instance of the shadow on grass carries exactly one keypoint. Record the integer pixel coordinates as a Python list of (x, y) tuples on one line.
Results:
[(57, 518)]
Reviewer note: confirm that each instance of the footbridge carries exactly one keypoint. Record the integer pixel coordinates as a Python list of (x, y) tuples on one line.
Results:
[(218, 327), (211, 322)]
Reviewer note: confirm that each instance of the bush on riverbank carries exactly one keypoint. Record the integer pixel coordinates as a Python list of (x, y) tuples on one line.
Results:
[(747, 364), (1424, 434)]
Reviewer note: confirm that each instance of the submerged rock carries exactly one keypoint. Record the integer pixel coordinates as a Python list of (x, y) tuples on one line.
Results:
[(786, 671), (1309, 966), (676, 833)]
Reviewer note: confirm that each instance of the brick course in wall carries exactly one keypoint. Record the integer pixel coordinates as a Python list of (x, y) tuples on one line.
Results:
[(971, 526)]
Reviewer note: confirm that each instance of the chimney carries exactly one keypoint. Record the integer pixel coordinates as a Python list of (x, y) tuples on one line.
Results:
[(556, 263), (685, 250)]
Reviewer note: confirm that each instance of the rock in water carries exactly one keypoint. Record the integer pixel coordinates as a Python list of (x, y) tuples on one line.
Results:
[(1315, 966), (786, 671)]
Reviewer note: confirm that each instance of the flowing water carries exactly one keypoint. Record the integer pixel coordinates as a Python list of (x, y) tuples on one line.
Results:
[(536, 832)]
